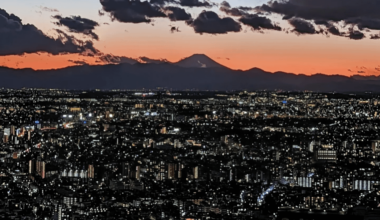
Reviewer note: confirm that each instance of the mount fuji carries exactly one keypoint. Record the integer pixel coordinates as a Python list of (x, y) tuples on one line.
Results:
[(198, 61)]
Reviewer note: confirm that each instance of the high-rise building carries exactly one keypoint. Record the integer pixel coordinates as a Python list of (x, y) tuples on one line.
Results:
[(40, 168), (32, 166), (171, 170), (7, 133), (5, 138), (13, 130), (232, 174), (277, 155), (375, 146), (259, 175), (311, 146), (138, 172), (125, 169), (179, 170), (341, 182), (304, 181), (248, 178), (90, 171), (196, 172), (365, 185), (325, 155), (162, 174)]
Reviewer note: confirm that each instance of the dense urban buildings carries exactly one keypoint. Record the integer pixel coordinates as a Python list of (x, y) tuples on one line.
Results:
[(165, 154)]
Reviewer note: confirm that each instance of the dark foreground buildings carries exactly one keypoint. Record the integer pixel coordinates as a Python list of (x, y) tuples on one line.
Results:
[(188, 155)]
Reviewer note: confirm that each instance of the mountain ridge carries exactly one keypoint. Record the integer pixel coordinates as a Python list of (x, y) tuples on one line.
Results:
[(165, 62), (150, 76), (187, 76), (148, 61)]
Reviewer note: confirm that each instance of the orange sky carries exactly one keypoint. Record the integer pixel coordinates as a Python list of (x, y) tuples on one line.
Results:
[(271, 51)]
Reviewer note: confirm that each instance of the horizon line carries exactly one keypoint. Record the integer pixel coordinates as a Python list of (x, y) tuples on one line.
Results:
[(173, 63)]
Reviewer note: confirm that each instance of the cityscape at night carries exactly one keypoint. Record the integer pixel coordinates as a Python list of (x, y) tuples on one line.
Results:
[(165, 154), (189, 109)]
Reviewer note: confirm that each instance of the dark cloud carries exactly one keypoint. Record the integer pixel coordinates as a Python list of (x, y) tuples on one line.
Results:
[(138, 11), (375, 36), (132, 11), (364, 23), (355, 35), (225, 4), (162, 2), (238, 11), (10, 16), (226, 8), (244, 8), (177, 14), (77, 24), (377, 69), (49, 9), (86, 47), (330, 27), (111, 59), (9, 25), (78, 62), (210, 22), (149, 60), (302, 26), (361, 72), (287, 17), (101, 13), (334, 30), (18, 39), (257, 22), (174, 29), (195, 3), (319, 22), (331, 10), (232, 11), (365, 14)]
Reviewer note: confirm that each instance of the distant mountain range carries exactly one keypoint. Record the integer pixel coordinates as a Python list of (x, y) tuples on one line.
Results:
[(197, 71), (194, 61)]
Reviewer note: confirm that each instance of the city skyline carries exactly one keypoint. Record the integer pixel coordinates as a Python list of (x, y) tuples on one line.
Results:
[(299, 47), (188, 155)]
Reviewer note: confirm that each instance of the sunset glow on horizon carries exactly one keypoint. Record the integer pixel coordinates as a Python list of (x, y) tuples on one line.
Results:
[(271, 50)]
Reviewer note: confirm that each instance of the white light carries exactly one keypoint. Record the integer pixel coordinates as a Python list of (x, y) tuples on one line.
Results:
[(70, 116), (90, 115), (111, 115), (64, 116)]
